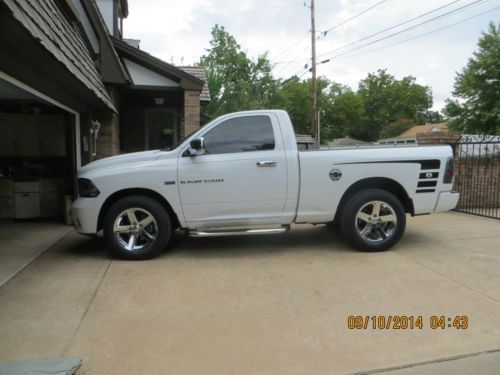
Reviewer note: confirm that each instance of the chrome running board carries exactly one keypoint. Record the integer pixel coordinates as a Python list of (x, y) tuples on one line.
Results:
[(237, 232)]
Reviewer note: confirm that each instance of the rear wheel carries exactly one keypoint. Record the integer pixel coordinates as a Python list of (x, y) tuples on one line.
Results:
[(137, 227), (373, 220)]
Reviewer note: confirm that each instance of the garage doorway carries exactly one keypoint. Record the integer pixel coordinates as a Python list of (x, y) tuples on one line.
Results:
[(38, 155)]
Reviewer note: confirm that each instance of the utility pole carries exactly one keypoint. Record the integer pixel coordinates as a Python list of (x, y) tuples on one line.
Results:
[(315, 130)]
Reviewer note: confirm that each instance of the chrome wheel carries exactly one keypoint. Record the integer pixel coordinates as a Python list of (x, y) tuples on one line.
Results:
[(135, 228), (376, 221)]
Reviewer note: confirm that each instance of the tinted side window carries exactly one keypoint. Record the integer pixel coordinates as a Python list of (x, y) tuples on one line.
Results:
[(242, 134)]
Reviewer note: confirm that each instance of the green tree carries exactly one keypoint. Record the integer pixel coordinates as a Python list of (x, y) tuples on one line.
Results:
[(476, 107), (343, 116), (387, 99), (295, 98), (236, 82), (433, 117)]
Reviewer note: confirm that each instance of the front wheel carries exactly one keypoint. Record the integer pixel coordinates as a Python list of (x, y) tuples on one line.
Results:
[(373, 220), (137, 227)]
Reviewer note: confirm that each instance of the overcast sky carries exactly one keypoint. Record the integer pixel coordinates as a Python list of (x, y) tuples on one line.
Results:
[(179, 32)]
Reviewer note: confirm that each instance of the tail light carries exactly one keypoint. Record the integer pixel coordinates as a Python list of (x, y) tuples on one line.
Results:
[(448, 172)]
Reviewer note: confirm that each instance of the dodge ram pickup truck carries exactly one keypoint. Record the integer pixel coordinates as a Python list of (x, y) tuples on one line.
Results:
[(243, 174)]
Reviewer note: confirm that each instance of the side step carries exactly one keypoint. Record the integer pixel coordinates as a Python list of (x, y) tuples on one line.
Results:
[(237, 232)]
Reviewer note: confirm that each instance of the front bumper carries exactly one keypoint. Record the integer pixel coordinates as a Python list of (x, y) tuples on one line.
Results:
[(446, 201), (85, 213)]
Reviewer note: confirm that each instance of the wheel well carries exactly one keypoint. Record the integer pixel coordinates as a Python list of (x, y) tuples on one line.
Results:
[(136, 191), (377, 183)]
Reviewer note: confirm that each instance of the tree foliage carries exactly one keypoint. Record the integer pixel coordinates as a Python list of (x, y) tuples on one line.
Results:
[(476, 107), (344, 115), (387, 99), (295, 97), (236, 82)]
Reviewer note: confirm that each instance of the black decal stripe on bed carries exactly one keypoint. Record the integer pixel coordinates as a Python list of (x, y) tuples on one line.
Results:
[(426, 183), (424, 164), (426, 191)]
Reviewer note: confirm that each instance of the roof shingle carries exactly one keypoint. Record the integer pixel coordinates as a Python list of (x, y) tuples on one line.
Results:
[(413, 131), (46, 23), (200, 73)]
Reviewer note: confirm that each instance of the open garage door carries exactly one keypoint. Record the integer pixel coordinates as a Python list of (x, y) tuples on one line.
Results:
[(38, 154)]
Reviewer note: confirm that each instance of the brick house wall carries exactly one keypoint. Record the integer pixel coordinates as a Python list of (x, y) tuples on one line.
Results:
[(191, 113), (108, 139)]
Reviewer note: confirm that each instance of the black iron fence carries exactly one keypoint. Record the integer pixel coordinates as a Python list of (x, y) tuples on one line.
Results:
[(477, 175)]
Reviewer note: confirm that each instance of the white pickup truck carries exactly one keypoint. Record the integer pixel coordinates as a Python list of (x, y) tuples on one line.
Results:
[(243, 174)]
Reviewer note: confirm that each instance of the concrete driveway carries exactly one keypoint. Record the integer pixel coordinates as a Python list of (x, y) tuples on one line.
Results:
[(258, 305)]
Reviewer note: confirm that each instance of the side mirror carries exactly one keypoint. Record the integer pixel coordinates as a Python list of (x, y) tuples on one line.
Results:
[(196, 147)]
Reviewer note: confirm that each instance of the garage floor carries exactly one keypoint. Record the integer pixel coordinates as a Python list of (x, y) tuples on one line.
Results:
[(22, 241), (264, 304)]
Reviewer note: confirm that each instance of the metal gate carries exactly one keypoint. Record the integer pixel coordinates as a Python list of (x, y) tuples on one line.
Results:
[(477, 179)]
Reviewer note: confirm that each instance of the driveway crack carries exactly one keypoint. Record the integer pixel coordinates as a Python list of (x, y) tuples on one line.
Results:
[(91, 301)]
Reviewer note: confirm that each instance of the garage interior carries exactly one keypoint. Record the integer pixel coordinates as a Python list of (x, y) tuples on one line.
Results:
[(37, 157)]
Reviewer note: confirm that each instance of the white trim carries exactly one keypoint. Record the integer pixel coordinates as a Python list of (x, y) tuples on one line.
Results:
[(31, 90), (142, 76)]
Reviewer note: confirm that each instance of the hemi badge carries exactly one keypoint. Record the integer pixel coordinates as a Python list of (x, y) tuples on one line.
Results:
[(169, 182)]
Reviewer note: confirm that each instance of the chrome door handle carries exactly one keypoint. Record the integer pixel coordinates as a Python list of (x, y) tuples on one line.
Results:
[(266, 164)]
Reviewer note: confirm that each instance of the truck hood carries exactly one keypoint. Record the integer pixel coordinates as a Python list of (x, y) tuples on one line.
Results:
[(131, 160)]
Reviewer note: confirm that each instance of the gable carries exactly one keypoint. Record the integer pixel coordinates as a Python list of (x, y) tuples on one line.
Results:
[(142, 76)]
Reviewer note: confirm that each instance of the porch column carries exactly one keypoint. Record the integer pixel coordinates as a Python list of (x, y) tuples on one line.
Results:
[(191, 112)]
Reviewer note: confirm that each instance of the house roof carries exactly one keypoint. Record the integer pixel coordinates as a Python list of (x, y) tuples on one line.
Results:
[(112, 69), (412, 132), (185, 80), (48, 25), (200, 73), (346, 142)]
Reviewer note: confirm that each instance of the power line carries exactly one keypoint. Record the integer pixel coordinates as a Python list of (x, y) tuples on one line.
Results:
[(395, 26), (352, 18), (294, 59), (400, 31), (324, 34), (409, 39), (290, 48), (418, 36), (373, 35)]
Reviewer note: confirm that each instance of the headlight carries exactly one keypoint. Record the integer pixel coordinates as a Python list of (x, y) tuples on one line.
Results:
[(87, 189)]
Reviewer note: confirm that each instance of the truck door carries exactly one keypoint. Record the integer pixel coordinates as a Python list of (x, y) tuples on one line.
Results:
[(240, 180)]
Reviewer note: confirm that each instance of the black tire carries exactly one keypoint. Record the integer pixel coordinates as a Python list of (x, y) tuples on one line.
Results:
[(144, 246), (379, 236)]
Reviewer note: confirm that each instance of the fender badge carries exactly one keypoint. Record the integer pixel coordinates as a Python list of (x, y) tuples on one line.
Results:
[(335, 174)]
